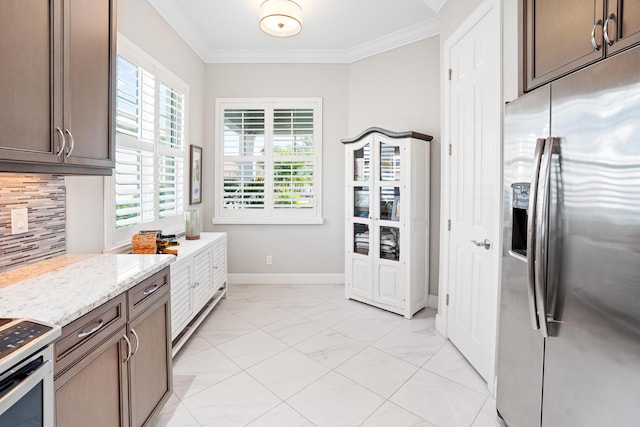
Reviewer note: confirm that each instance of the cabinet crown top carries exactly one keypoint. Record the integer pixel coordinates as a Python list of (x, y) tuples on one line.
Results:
[(389, 133)]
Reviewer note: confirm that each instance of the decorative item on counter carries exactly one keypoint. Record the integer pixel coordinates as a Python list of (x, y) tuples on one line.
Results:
[(144, 244), (192, 228), (153, 242)]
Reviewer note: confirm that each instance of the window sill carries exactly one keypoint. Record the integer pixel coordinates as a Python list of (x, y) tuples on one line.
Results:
[(269, 221)]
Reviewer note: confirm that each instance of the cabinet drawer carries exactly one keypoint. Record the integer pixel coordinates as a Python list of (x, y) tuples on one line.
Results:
[(143, 295), (84, 334)]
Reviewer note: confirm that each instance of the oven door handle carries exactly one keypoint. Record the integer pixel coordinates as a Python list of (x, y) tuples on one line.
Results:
[(19, 390)]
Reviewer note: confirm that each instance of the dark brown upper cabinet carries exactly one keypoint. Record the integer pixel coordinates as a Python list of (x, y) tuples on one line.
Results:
[(57, 68), (563, 36), (623, 24)]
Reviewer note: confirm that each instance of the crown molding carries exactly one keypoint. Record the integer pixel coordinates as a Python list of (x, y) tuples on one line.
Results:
[(435, 5), (273, 56), (180, 25), (382, 44), (391, 41), (395, 40)]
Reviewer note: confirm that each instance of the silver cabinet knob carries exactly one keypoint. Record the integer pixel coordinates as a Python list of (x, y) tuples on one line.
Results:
[(486, 243)]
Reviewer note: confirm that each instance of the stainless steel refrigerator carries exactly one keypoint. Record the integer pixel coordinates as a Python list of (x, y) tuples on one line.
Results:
[(569, 337)]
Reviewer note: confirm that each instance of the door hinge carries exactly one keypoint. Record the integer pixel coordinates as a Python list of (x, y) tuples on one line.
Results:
[(450, 73), (450, 149), (447, 300), (449, 225)]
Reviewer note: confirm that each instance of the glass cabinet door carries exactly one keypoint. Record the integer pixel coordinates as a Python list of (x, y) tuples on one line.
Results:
[(362, 163), (389, 162), (389, 203), (361, 202), (361, 239), (390, 243)]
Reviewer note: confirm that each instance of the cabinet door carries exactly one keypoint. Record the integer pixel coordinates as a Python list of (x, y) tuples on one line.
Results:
[(219, 264), (29, 81), (389, 284), (89, 65), (150, 363), (359, 204), (181, 295), (93, 392), (203, 277), (558, 37), (623, 24)]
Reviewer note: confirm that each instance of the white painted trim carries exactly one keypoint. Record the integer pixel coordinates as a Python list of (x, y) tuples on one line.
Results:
[(285, 279), (406, 36), (441, 318), (433, 301), (397, 39), (382, 44)]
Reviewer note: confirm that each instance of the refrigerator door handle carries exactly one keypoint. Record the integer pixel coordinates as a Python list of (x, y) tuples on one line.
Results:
[(531, 234), (542, 234)]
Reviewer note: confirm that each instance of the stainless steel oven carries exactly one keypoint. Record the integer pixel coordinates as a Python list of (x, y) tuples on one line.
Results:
[(26, 373)]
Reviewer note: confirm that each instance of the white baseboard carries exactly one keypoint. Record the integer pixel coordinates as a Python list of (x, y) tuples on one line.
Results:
[(433, 301), (286, 279)]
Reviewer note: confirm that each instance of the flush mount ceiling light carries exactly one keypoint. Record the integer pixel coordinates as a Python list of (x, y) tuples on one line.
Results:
[(280, 18)]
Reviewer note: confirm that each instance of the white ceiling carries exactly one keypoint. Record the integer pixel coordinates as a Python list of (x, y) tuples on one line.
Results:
[(333, 31)]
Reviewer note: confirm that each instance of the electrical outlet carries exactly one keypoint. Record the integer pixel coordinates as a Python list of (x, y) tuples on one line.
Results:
[(269, 260), (19, 221)]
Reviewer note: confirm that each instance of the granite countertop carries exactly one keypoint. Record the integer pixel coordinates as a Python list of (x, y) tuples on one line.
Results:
[(64, 288)]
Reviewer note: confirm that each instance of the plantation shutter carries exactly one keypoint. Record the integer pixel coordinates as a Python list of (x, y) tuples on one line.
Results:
[(150, 141), (293, 167), (243, 183), (268, 161), (134, 187)]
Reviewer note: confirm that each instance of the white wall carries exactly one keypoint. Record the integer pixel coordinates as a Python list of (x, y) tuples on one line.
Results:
[(141, 24), (400, 90), (296, 249)]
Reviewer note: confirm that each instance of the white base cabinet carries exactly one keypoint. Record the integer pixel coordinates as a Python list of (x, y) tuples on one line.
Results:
[(198, 283), (387, 220)]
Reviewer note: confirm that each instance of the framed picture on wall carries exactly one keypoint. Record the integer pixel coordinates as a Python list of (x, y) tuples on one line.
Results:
[(195, 173)]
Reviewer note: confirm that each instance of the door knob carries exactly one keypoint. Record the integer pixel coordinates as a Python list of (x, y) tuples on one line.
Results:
[(486, 243)]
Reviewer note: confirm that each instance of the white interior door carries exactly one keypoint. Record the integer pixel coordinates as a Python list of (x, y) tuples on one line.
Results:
[(474, 197)]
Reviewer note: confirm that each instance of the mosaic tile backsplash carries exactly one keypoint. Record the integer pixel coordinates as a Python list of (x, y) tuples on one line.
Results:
[(44, 198)]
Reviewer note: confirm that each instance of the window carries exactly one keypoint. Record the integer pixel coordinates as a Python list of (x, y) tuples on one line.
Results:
[(147, 187), (268, 161)]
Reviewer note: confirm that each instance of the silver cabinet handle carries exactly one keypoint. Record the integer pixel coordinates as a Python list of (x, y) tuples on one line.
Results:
[(151, 289), (92, 330), (486, 243), (605, 29), (133, 331), (126, 338), (594, 43), (72, 143), (63, 141), (531, 235)]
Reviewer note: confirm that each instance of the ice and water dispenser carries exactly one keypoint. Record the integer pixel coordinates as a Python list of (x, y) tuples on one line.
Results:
[(519, 207)]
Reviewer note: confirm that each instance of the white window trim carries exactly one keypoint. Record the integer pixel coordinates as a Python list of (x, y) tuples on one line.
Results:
[(119, 240), (270, 216)]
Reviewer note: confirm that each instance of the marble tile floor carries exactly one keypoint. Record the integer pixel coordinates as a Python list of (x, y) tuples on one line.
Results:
[(302, 355)]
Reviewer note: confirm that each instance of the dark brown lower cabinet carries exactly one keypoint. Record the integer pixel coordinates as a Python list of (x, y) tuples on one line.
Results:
[(150, 365), (90, 392), (117, 376)]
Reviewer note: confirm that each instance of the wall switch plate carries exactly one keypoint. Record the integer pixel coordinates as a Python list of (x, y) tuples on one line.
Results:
[(19, 221), (269, 260)]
